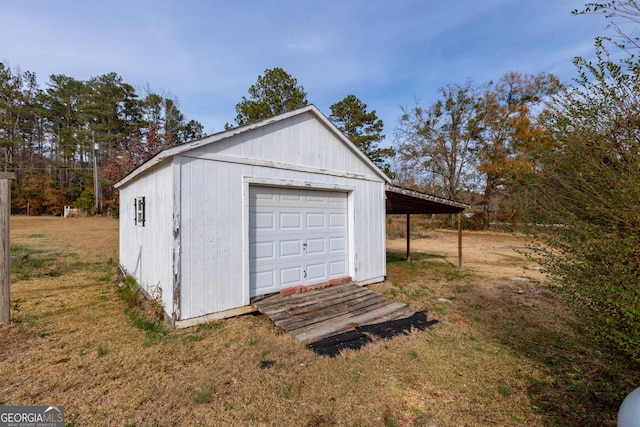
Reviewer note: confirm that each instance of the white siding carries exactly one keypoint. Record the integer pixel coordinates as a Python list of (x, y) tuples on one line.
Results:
[(301, 141), (211, 237), (201, 197), (146, 251), (214, 252)]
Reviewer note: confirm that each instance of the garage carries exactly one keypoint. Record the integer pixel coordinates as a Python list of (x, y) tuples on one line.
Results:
[(296, 237), (280, 204)]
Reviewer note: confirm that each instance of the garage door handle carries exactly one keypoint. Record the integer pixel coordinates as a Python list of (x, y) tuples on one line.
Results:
[(304, 246)]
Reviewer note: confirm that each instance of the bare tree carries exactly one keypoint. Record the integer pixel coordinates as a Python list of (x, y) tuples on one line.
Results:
[(624, 17), (436, 144)]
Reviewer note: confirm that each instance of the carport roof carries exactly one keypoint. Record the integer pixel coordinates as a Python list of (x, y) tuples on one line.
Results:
[(404, 201)]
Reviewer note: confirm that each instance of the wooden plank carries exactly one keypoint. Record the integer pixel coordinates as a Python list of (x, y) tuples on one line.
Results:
[(330, 311), (5, 252), (313, 312), (337, 305), (344, 320), (274, 302), (460, 241), (408, 237), (396, 315), (176, 251), (305, 309), (180, 324), (350, 321), (327, 330), (297, 322), (278, 303), (324, 332), (379, 312)]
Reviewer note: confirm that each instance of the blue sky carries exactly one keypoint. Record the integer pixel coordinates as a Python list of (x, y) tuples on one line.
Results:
[(207, 53)]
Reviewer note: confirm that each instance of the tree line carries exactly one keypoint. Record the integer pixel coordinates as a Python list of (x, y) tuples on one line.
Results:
[(480, 144), (53, 137), (475, 143), (70, 142)]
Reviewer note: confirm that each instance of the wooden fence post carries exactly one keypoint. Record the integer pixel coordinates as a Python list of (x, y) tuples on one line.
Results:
[(460, 241), (5, 251), (408, 237)]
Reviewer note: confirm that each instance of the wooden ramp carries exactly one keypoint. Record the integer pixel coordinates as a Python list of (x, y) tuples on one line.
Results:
[(321, 313)]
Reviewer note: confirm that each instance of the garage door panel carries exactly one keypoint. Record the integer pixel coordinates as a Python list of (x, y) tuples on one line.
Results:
[(338, 220), (337, 269), (264, 194), (316, 271), (290, 221), (264, 251), (264, 221), (316, 220), (290, 276), (289, 248), (337, 244), (265, 282), (297, 237), (316, 246), (290, 196), (317, 197), (337, 202)]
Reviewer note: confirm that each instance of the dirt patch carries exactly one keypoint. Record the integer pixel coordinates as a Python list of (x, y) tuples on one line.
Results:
[(14, 338), (491, 255)]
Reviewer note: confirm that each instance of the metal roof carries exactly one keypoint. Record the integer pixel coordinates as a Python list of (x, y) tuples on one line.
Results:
[(404, 201)]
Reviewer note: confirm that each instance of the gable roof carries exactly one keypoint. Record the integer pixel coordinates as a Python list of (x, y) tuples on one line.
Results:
[(169, 153)]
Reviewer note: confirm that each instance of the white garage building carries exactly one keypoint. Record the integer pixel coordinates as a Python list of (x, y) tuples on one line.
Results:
[(286, 201)]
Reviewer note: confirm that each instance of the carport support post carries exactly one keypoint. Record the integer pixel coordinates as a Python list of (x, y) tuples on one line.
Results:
[(408, 237), (460, 241), (5, 254)]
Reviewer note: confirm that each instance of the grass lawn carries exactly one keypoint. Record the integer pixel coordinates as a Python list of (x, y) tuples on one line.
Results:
[(505, 352)]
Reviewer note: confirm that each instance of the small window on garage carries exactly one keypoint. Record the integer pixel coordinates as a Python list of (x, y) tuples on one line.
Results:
[(140, 211)]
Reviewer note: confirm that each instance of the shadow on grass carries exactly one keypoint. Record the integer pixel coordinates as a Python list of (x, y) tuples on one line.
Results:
[(424, 264), (581, 382), (591, 383), (399, 256)]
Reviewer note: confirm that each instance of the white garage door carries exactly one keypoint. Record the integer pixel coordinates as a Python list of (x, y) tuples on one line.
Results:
[(296, 237)]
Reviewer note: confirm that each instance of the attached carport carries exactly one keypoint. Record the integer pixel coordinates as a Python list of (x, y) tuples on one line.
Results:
[(406, 202)]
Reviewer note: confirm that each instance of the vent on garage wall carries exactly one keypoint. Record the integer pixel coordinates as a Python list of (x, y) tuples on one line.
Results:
[(138, 204)]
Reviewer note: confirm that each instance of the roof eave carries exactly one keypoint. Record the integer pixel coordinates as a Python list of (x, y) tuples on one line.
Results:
[(405, 201), (174, 151)]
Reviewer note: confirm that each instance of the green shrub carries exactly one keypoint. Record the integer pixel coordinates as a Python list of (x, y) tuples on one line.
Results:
[(129, 290), (85, 201), (588, 195)]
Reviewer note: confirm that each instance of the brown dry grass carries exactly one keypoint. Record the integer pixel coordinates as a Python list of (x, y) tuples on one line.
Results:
[(495, 358)]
